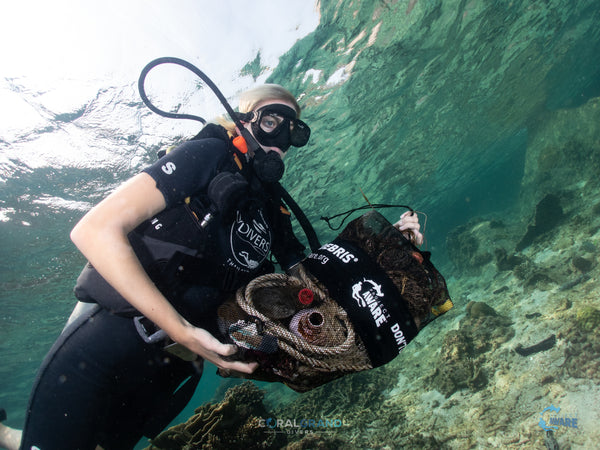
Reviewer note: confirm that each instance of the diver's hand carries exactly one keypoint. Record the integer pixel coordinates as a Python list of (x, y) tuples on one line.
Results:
[(409, 225), (208, 347)]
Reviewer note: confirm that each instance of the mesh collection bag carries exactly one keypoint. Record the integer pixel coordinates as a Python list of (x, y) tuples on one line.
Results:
[(352, 305)]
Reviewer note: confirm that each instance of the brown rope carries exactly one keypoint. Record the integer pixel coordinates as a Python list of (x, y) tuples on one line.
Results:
[(346, 356)]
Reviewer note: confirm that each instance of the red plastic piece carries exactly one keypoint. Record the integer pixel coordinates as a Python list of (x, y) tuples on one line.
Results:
[(306, 296)]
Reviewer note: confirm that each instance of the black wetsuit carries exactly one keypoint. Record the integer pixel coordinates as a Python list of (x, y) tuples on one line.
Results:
[(101, 383)]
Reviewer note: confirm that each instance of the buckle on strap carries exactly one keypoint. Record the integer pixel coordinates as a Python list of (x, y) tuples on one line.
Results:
[(148, 331)]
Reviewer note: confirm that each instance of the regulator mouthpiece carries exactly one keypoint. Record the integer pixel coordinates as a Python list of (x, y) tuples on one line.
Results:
[(268, 167)]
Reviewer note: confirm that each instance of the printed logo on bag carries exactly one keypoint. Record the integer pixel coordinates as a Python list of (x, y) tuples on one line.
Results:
[(340, 252), (368, 293), (250, 240), (399, 337)]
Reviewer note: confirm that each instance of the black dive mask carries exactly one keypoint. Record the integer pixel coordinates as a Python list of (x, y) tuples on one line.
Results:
[(273, 125), (276, 126)]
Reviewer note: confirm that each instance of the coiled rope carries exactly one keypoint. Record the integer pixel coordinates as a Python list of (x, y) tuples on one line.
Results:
[(347, 356)]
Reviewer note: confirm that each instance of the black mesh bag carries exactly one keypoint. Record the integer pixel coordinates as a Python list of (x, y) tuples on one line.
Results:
[(352, 305)]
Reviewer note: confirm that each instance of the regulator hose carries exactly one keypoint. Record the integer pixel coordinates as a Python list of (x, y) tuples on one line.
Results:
[(252, 144)]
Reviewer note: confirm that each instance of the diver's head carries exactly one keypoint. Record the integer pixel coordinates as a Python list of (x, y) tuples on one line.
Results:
[(275, 125), (269, 114)]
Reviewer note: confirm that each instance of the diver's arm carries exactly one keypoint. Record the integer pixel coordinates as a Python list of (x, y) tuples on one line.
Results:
[(101, 236), (10, 438), (409, 224)]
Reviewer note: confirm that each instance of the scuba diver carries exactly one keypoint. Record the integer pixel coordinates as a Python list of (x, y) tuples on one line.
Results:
[(109, 377), (164, 251)]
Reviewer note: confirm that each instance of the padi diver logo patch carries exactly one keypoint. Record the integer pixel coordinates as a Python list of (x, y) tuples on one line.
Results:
[(250, 240), (369, 294)]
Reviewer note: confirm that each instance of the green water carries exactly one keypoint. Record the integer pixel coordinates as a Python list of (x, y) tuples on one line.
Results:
[(471, 111)]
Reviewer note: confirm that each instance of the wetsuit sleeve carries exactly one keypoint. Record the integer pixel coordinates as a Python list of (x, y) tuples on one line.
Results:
[(188, 168), (286, 248)]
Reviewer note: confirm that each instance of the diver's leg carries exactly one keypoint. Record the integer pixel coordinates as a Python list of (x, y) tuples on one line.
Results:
[(69, 394), (101, 384), (159, 392)]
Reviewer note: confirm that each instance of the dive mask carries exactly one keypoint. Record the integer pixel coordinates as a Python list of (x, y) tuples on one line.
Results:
[(277, 126)]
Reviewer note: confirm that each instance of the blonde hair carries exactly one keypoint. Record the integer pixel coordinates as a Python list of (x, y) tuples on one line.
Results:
[(252, 97)]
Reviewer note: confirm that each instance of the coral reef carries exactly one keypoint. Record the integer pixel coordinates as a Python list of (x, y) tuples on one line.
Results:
[(316, 442), (582, 344), (588, 319), (460, 361), (464, 250), (236, 422), (355, 400)]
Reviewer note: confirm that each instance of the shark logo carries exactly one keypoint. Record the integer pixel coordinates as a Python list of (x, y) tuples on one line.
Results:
[(368, 294), (365, 296)]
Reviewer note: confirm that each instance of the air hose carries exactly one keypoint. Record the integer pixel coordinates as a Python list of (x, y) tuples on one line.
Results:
[(252, 145)]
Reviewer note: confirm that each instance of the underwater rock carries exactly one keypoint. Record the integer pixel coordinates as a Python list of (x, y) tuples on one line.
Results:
[(582, 344), (459, 363), (236, 422), (505, 261), (355, 399), (466, 246), (557, 164), (461, 246), (587, 246), (547, 268), (480, 309), (456, 369), (538, 280), (588, 318), (548, 214), (485, 328), (582, 264), (318, 442)]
